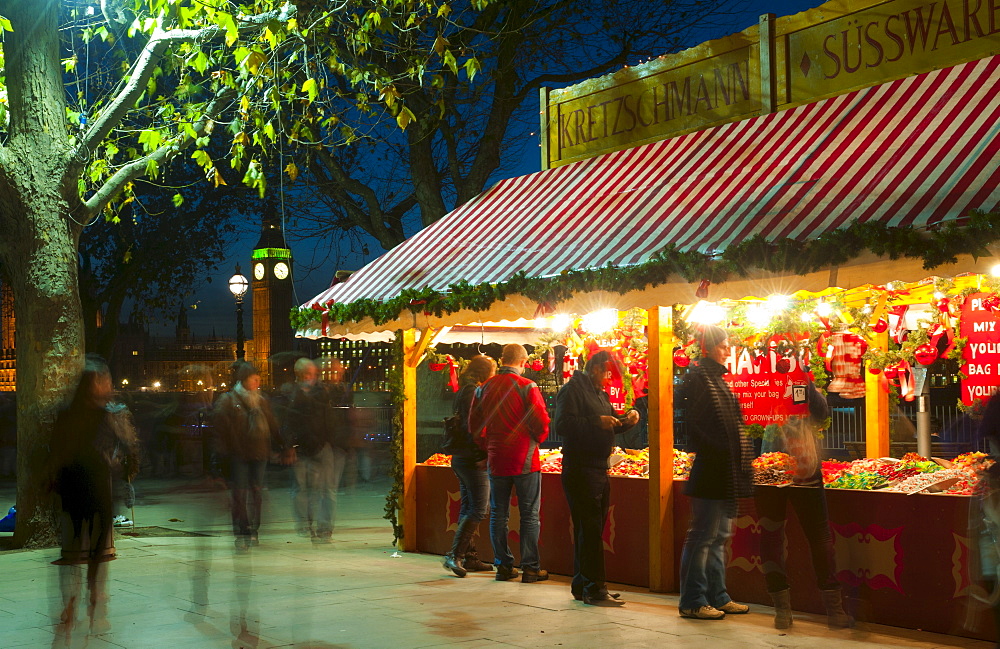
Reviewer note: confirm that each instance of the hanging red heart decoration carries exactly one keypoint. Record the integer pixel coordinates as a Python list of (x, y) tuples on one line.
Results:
[(874, 370), (891, 372), (783, 365), (925, 354), (681, 359), (880, 326)]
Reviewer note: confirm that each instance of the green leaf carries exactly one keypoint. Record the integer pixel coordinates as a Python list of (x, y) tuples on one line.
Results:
[(202, 158), (472, 66), (404, 117), (150, 139), (443, 11), (449, 60), (200, 62), (178, 200), (152, 169), (5, 25), (309, 87)]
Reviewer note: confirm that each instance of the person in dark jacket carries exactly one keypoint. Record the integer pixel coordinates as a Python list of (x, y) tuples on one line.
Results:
[(796, 437), (720, 476), (248, 433), (94, 442), (588, 425), (468, 461)]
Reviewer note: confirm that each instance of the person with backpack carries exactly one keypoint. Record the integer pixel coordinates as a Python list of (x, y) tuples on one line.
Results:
[(468, 461)]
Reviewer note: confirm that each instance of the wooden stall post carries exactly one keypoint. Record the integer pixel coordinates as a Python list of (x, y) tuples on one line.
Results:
[(876, 406), (662, 573), (409, 505)]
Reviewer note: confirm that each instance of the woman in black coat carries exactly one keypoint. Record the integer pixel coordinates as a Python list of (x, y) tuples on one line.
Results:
[(588, 425)]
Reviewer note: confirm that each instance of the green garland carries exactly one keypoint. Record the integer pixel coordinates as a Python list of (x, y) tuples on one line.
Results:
[(394, 499), (833, 248)]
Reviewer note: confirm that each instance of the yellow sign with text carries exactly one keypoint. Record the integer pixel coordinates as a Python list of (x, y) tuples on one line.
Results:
[(838, 47), (853, 48), (656, 103)]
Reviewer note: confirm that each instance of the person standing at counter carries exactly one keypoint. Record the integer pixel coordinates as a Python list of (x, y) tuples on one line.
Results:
[(720, 476), (588, 425), (468, 461), (807, 497), (508, 412)]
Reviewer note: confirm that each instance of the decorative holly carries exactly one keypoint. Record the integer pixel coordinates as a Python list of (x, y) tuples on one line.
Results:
[(992, 303)]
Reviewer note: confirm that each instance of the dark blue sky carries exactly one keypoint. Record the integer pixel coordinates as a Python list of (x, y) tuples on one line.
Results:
[(214, 308)]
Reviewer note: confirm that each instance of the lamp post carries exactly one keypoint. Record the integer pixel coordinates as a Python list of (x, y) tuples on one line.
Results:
[(238, 287)]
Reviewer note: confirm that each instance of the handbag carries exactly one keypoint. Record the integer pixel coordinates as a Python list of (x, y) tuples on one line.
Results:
[(456, 439)]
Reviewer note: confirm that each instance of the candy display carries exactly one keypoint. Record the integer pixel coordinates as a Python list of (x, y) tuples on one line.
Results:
[(910, 474)]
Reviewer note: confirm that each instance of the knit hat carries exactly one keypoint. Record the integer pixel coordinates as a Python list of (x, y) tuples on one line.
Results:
[(709, 337)]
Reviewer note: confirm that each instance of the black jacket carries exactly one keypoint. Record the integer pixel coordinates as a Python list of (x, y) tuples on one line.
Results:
[(579, 406)]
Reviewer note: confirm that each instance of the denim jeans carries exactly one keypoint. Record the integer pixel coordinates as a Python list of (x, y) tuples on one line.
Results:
[(317, 477), (247, 477), (474, 487), (703, 559), (529, 495), (809, 504)]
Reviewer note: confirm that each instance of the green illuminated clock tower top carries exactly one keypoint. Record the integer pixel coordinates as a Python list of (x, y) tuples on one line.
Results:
[(273, 298)]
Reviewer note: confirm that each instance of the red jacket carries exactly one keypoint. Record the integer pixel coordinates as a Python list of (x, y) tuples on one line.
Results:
[(508, 414)]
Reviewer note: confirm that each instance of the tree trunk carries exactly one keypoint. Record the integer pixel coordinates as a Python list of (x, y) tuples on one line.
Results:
[(38, 250)]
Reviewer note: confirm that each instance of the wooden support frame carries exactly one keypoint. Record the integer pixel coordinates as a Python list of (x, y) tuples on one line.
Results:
[(409, 505), (876, 406), (662, 563)]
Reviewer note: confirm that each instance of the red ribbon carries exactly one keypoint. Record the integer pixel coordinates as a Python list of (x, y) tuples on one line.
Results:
[(543, 309), (324, 324)]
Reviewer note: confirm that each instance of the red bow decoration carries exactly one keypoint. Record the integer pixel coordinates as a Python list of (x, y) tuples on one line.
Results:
[(452, 371), (702, 291), (543, 309)]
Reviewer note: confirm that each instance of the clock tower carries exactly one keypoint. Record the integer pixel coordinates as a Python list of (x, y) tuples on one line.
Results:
[(271, 282)]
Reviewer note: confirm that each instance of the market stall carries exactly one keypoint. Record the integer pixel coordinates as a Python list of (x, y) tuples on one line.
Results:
[(848, 239)]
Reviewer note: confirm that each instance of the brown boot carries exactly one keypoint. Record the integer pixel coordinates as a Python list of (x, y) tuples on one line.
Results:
[(782, 609), (472, 562), (836, 618), (455, 565)]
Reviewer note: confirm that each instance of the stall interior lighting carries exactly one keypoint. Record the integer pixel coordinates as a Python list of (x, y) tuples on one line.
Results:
[(600, 322), (777, 303), (706, 313), (995, 271), (560, 322), (758, 315), (824, 309)]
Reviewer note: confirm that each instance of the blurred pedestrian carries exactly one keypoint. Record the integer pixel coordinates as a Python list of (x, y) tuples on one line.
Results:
[(94, 443), (248, 433), (508, 412), (720, 476), (468, 461), (308, 433), (797, 438), (587, 423)]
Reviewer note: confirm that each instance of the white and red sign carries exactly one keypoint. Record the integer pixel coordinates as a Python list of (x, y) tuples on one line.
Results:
[(982, 352), (766, 394)]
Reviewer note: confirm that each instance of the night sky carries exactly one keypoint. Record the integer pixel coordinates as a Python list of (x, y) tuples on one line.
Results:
[(214, 308)]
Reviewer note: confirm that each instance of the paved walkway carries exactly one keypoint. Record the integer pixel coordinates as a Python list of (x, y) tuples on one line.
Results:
[(194, 592)]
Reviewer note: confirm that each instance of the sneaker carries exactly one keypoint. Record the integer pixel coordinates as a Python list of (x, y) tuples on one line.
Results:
[(506, 573), (703, 613), (531, 576), (734, 608), (122, 521)]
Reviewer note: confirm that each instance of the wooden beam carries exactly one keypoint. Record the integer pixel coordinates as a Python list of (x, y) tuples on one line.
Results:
[(876, 406), (409, 504), (420, 347), (662, 563)]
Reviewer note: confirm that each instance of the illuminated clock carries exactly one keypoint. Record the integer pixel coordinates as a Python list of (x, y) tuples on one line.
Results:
[(258, 271), (281, 270)]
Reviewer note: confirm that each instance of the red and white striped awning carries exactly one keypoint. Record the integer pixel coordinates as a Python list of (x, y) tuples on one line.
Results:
[(914, 152)]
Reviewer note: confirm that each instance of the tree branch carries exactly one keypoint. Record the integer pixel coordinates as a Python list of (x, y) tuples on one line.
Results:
[(145, 66), (619, 59), (137, 168)]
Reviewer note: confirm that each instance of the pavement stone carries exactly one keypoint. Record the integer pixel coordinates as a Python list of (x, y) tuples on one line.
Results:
[(196, 592)]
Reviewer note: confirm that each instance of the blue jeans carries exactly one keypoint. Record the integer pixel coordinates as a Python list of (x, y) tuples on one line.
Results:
[(703, 559), (529, 495), (474, 487), (317, 478)]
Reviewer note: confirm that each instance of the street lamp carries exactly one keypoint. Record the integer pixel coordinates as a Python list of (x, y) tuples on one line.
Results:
[(238, 285)]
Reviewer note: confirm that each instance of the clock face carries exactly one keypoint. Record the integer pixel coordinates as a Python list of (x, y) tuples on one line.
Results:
[(258, 271), (281, 270)]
